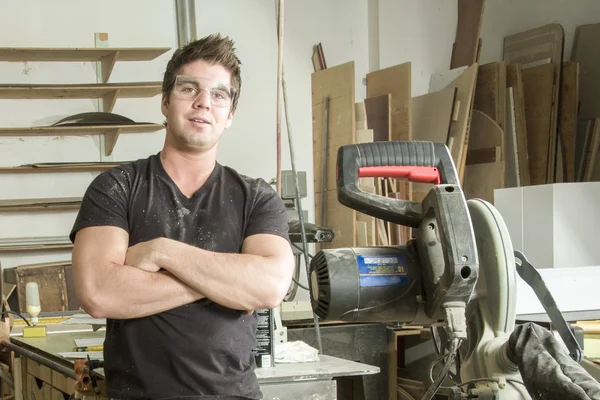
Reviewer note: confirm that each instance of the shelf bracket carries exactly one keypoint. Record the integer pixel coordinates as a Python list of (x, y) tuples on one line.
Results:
[(110, 140), (109, 100), (108, 63)]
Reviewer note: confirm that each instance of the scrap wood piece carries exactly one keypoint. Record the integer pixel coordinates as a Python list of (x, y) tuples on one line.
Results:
[(468, 29), (431, 116), (514, 80), (537, 45), (585, 52), (379, 116), (567, 122), (538, 88), (336, 84), (441, 80), (395, 81), (584, 132), (490, 91), (458, 138), (483, 178), (318, 58), (591, 159), (513, 178)]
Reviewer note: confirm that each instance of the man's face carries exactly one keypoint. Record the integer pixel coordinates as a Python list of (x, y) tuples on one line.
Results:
[(196, 111)]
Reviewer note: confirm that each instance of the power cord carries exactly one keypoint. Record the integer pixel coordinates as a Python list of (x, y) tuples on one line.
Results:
[(18, 315)]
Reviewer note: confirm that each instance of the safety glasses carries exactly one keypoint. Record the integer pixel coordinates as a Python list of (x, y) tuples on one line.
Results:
[(189, 88)]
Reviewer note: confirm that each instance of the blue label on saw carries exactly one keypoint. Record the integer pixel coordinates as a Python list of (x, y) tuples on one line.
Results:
[(382, 270)]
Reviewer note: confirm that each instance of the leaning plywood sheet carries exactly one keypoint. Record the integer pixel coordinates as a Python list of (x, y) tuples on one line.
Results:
[(539, 94), (336, 84), (470, 15), (586, 53), (395, 81), (379, 117), (537, 45), (513, 179), (440, 80), (458, 136), (514, 80), (490, 92), (567, 123), (431, 116), (485, 170)]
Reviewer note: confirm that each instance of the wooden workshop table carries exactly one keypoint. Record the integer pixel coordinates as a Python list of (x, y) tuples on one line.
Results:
[(313, 380)]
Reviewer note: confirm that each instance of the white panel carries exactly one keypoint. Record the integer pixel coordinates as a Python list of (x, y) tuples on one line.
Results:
[(576, 222), (538, 225), (509, 202)]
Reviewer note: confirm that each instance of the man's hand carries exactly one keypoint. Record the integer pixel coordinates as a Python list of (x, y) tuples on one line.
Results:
[(143, 256)]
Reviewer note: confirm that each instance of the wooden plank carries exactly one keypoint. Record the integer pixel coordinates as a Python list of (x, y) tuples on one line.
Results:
[(487, 91), (514, 80), (431, 116), (585, 53), (337, 84), (458, 138), (441, 80), (63, 203), (80, 91), (395, 81), (78, 130), (481, 179), (545, 42), (60, 167), (62, 54), (567, 122), (470, 16), (591, 158), (584, 132), (379, 116), (513, 178), (538, 91)]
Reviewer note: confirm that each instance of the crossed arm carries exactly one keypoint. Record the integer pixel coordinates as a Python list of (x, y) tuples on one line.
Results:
[(115, 281)]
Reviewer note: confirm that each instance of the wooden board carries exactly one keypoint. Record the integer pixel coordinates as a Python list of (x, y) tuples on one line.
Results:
[(481, 179), (60, 167), (514, 80), (80, 91), (395, 81), (337, 84), (567, 123), (64, 203), (458, 137), (465, 49), (78, 130), (61, 54), (537, 46), (585, 52), (490, 91), (431, 116), (511, 153), (379, 116), (538, 89)]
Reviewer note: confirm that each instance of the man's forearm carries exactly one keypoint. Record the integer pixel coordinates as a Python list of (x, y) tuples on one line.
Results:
[(237, 281), (123, 292)]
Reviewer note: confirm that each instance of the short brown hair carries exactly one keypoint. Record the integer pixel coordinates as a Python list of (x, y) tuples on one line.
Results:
[(214, 49)]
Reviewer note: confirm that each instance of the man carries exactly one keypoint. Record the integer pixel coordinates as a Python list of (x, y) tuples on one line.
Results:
[(176, 250)]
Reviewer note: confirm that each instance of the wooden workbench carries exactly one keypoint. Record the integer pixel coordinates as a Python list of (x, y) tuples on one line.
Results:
[(293, 381)]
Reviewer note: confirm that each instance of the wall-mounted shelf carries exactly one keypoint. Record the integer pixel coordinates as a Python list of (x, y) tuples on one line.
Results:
[(32, 244), (108, 92), (106, 56), (61, 167), (50, 204), (111, 132)]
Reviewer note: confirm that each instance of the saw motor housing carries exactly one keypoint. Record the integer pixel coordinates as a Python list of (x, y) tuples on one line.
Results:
[(419, 282)]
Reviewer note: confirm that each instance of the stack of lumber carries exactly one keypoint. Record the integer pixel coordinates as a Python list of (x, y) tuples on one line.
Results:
[(529, 118)]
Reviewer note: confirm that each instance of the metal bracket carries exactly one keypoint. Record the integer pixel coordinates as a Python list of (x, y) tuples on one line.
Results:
[(533, 278)]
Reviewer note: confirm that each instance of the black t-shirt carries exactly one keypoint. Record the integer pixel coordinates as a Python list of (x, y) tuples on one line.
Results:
[(200, 349)]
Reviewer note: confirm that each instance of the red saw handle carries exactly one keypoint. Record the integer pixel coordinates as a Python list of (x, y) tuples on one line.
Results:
[(412, 173)]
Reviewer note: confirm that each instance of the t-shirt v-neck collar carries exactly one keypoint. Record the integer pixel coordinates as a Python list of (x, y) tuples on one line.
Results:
[(206, 186)]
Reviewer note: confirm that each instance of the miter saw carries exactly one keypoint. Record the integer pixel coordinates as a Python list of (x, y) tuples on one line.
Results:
[(457, 274)]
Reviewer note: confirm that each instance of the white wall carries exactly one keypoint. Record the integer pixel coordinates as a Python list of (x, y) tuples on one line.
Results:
[(506, 17), (249, 146), (421, 32)]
